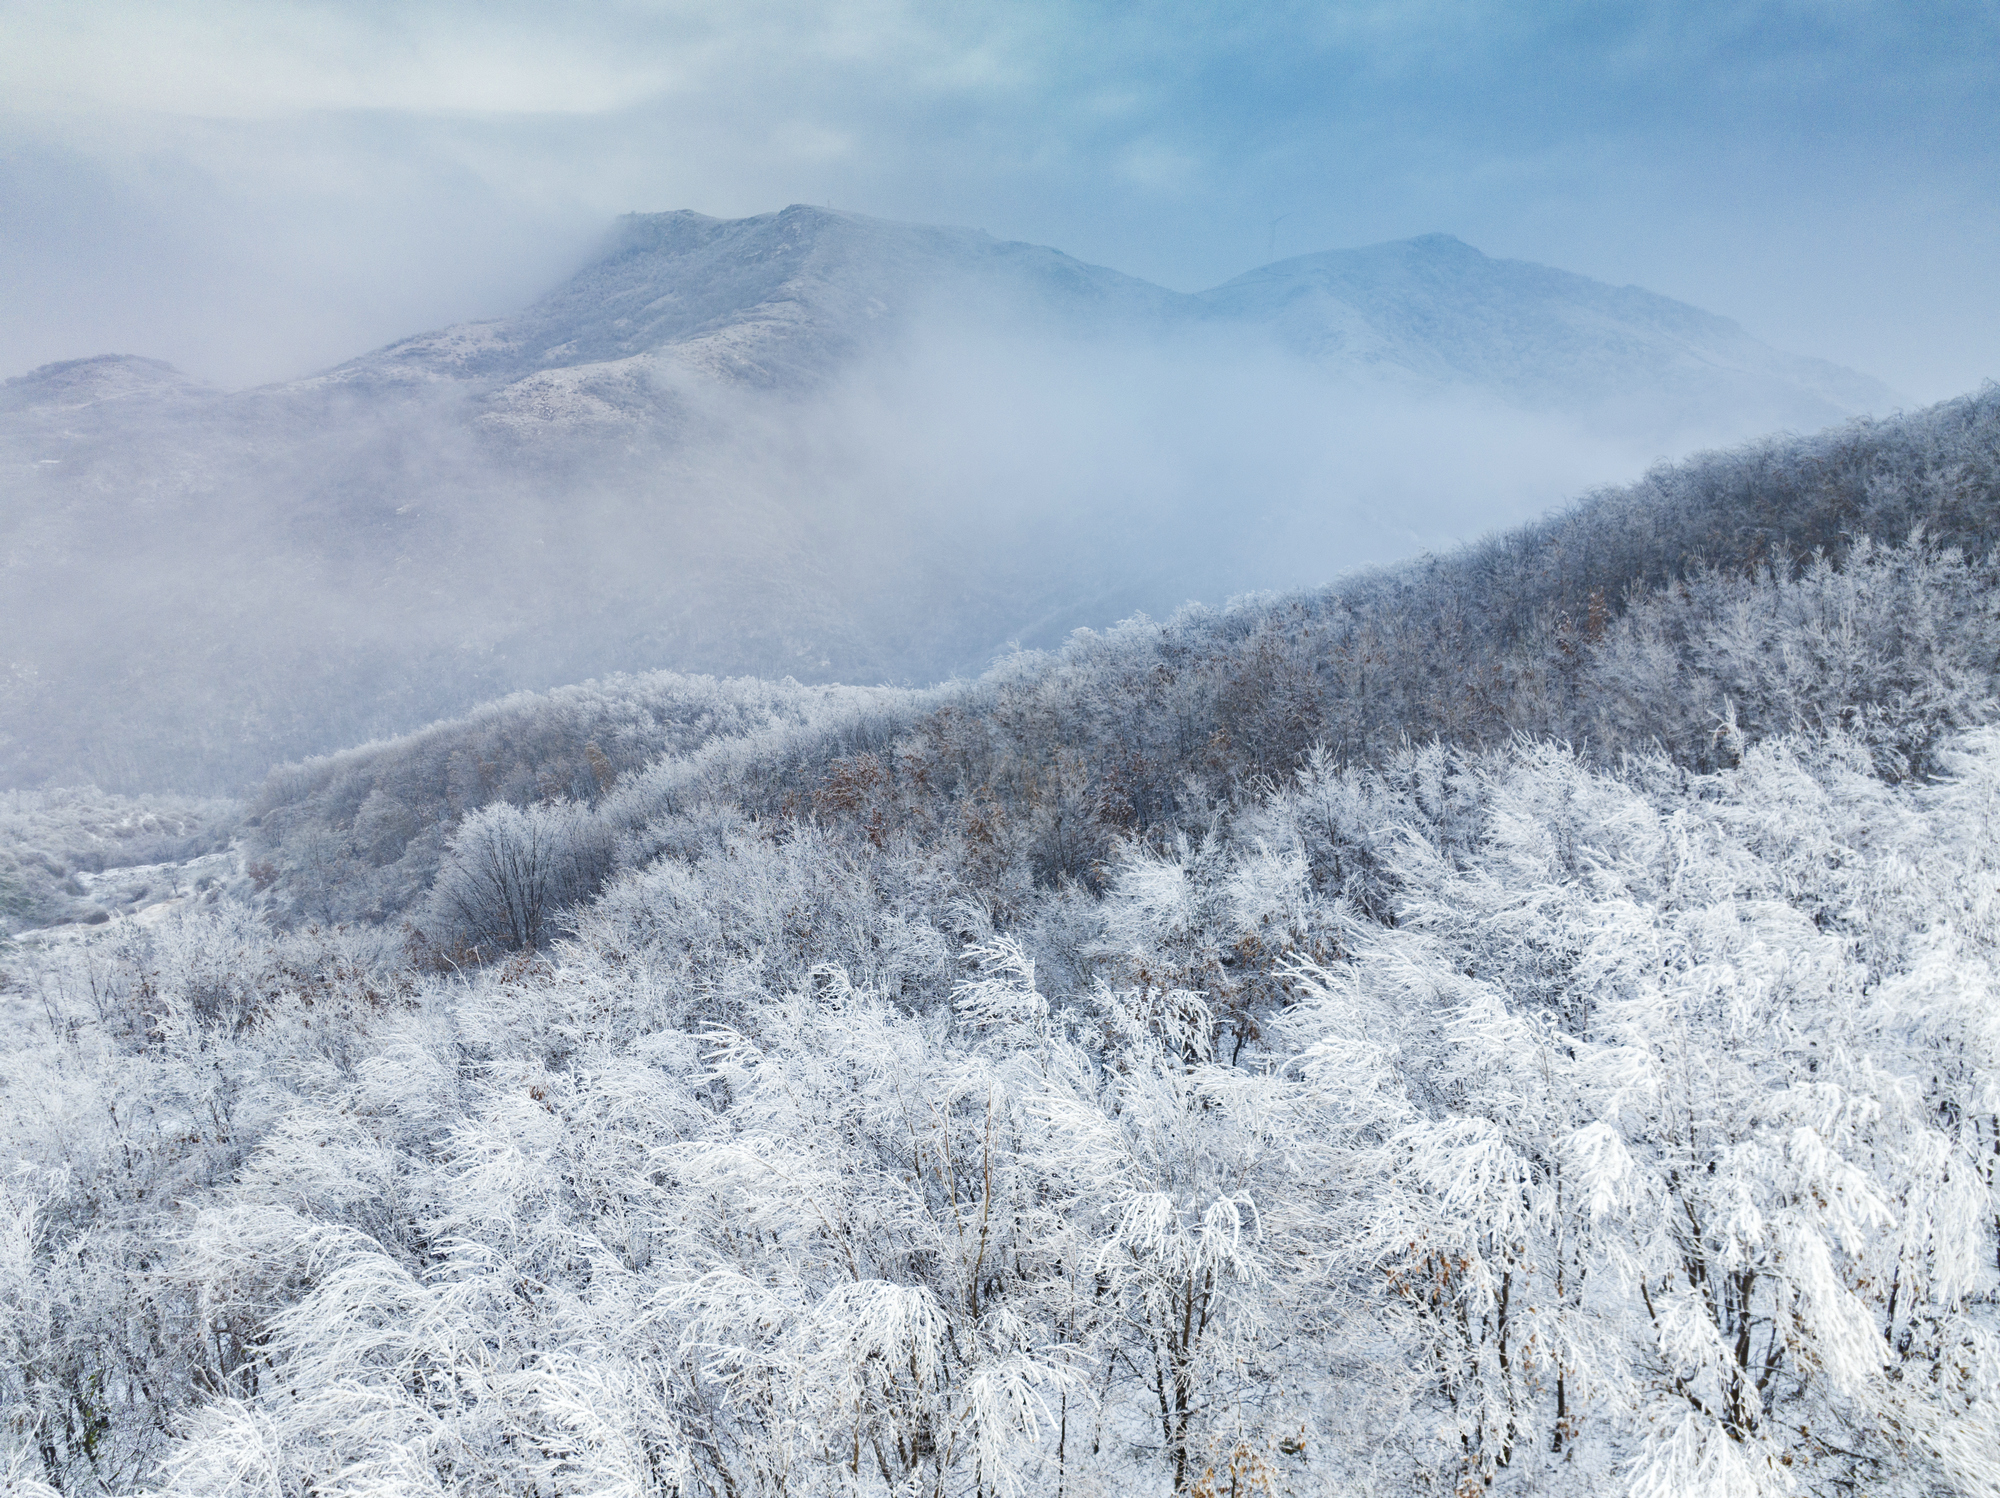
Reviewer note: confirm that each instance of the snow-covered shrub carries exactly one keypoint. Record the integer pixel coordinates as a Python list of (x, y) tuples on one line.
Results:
[(509, 873)]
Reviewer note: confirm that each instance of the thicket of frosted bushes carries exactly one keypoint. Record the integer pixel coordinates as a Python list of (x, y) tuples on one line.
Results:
[(1485, 1116)]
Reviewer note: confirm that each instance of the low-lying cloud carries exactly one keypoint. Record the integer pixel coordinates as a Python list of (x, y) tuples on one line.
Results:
[(251, 578)]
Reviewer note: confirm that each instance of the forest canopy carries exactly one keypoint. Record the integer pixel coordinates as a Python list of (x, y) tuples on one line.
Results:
[(1522, 1022)]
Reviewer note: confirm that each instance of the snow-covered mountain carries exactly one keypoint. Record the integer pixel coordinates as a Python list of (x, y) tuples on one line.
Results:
[(787, 298), (806, 443), (1436, 310), (77, 385), (770, 300)]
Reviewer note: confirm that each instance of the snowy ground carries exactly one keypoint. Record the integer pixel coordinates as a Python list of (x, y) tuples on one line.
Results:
[(143, 893)]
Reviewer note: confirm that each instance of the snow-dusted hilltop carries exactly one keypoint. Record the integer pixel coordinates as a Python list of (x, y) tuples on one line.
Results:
[(1434, 309), (807, 443), (775, 299), (76, 385)]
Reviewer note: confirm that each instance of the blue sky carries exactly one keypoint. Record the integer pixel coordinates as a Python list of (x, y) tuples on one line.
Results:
[(253, 190)]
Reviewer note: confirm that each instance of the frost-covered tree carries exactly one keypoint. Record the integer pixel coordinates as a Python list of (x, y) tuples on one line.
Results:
[(509, 872)]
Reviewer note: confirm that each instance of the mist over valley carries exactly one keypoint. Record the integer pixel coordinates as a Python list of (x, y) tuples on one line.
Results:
[(806, 444)]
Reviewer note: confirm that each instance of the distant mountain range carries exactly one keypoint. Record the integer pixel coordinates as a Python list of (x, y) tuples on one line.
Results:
[(688, 455), (790, 297)]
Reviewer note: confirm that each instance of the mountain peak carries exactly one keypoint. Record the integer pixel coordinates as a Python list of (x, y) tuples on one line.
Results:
[(71, 384), (773, 299), (1437, 309), (681, 230)]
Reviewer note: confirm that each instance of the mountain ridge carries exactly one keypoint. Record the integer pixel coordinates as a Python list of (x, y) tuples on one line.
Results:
[(743, 298), (783, 299), (1396, 286)]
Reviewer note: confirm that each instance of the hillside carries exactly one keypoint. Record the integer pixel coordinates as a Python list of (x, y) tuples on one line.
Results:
[(1844, 582)]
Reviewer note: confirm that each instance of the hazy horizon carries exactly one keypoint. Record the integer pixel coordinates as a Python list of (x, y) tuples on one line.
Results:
[(253, 193)]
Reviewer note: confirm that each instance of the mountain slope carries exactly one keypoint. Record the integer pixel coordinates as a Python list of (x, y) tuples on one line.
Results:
[(1774, 588)]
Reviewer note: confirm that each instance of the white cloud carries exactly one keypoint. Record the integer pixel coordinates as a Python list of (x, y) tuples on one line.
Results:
[(271, 58)]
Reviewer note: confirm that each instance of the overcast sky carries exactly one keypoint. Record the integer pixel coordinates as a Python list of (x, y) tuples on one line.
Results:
[(255, 190)]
